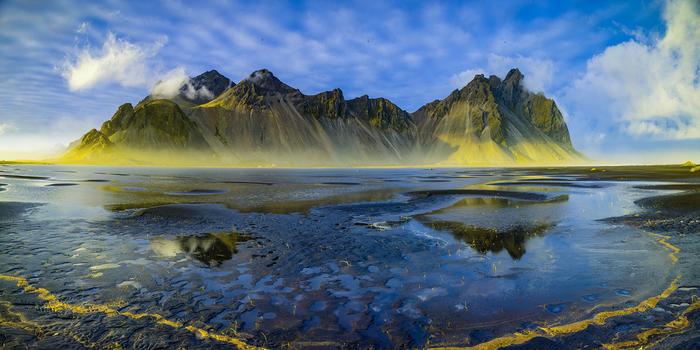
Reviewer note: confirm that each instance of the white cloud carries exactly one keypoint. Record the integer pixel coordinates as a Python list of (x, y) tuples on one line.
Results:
[(82, 28), (4, 127), (539, 73), (464, 77), (646, 88), (119, 62), (169, 86)]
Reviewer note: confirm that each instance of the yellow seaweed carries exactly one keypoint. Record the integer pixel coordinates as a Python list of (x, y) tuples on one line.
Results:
[(643, 339), (599, 319), (55, 305)]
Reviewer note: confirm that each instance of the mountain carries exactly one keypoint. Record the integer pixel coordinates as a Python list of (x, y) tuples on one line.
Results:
[(263, 121), (195, 91), (494, 121), (155, 129)]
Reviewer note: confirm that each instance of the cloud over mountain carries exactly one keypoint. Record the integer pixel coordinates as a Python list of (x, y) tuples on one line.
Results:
[(645, 88)]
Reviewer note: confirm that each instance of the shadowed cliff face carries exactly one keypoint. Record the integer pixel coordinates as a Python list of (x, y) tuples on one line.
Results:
[(263, 121), (155, 126), (492, 121)]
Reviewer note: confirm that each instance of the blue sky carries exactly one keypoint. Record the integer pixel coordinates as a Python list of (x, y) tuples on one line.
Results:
[(625, 73)]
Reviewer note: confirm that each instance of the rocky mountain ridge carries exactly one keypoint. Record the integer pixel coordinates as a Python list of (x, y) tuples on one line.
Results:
[(263, 121)]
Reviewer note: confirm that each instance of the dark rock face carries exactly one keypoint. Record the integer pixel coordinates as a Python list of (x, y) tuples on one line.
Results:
[(379, 113), (262, 120), (153, 125), (266, 82), (502, 109), (534, 107), (265, 119), (198, 90), (119, 121), (328, 104), (212, 82), (482, 114)]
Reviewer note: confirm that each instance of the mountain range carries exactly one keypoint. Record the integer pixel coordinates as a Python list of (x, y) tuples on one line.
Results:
[(261, 121)]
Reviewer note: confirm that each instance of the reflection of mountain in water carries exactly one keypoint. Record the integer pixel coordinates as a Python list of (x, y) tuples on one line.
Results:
[(483, 239), (211, 249)]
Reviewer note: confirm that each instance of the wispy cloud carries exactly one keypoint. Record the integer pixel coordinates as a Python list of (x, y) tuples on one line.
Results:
[(119, 61), (409, 54), (4, 127)]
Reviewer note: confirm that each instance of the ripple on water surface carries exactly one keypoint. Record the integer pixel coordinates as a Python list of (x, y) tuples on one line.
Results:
[(367, 258)]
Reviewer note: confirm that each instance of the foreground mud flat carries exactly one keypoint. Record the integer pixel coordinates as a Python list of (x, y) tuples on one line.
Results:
[(559, 258)]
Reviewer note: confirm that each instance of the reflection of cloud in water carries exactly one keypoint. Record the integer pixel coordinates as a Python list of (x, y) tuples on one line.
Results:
[(211, 249)]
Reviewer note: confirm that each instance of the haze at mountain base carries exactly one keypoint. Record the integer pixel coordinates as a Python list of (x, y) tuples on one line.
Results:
[(262, 121)]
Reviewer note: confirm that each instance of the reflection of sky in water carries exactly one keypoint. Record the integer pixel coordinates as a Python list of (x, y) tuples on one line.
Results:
[(327, 273)]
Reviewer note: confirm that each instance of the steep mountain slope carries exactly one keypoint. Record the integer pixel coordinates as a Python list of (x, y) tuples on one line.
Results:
[(155, 128), (494, 122), (263, 121)]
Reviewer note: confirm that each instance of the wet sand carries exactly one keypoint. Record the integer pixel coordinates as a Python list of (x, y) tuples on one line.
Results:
[(522, 258)]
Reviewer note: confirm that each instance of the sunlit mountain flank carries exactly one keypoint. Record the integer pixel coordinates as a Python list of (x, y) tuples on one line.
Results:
[(263, 121)]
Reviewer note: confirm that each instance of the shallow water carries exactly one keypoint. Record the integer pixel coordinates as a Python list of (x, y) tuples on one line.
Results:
[(384, 258)]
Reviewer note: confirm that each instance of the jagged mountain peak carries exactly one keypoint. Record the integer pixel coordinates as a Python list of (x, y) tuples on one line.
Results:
[(262, 120), (263, 78), (214, 81), (213, 73), (514, 75)]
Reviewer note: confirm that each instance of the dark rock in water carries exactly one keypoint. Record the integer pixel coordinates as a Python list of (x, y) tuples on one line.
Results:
[(549, 183), (682, 203), (178, 211), (24, 177), (197, 192), (679, 212), (478, 192), (249, 183)]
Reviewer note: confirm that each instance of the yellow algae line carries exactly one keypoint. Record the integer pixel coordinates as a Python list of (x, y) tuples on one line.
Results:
[(21, 321), (679, 325), (598, 319), (664, 241), (56, 305)]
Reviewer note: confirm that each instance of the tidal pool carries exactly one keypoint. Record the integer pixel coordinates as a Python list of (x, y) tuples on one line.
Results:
[(334, 258)]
